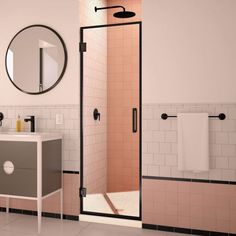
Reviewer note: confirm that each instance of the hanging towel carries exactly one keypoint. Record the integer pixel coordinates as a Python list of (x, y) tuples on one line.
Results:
[(193, 142)]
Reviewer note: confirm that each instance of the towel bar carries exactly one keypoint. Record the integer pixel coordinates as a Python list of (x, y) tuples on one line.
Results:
[(221, 116)]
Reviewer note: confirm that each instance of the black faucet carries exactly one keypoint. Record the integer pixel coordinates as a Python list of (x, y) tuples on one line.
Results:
[(1, 118), (32, 122)]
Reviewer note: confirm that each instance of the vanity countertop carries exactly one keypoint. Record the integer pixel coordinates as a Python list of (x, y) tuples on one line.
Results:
[(29, 137)]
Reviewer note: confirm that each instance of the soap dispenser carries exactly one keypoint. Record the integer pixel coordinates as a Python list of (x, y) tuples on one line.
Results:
[(18, 124)]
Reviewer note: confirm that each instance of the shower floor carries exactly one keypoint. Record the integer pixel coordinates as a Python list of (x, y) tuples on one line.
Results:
[(121, 203)]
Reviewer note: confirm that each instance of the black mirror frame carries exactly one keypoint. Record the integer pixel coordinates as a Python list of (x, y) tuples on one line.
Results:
[(65, 62)]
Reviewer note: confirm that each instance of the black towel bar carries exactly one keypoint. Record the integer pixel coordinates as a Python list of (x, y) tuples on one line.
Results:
[(221, 116)]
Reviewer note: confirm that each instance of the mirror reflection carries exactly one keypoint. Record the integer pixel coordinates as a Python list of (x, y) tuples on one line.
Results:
[(36, 59)]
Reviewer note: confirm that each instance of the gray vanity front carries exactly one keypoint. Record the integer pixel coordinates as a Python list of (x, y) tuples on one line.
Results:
[(23, 155)]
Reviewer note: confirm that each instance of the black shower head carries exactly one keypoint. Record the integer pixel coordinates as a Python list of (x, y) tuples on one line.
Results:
[(120, 14), (124, 14)]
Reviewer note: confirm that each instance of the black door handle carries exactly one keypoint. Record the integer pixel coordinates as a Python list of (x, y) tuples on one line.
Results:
[(135, 122), (96, 114)]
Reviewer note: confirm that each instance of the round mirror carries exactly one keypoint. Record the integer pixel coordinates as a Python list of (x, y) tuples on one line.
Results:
[(36, 59)]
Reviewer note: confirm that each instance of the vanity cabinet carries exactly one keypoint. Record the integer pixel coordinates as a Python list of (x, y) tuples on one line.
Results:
[(31, 167)]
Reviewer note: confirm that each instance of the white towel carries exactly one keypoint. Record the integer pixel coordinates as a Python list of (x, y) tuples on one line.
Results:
[(193, 142)]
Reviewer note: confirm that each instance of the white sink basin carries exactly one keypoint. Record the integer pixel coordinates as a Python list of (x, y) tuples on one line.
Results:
[(27, 136)]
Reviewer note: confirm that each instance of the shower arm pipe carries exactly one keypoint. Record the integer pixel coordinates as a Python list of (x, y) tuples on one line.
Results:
[(111, 7)]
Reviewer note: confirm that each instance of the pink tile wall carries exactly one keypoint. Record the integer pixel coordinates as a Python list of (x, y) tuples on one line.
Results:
[(71, 200), (123, 96), (202, 206)]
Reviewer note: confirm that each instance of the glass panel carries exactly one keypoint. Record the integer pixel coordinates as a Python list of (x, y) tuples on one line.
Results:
[(111, 147)]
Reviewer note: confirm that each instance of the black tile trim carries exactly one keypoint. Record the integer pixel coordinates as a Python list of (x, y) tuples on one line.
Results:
[(184, 230), (44, 214), (190, 180), (70, 172)]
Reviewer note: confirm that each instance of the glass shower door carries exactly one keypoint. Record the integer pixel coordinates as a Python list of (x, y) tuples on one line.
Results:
[(111, 120)]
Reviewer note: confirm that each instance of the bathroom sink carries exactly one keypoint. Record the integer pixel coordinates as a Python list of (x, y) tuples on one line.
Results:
[(28, 136)]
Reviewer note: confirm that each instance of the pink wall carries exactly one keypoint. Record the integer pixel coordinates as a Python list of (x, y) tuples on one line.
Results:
[(123, 95), (192, 50), (201, 206)]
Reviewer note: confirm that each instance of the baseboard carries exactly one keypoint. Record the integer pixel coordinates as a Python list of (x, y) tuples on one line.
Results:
[(110, 220), (184, 230), (44, 214)]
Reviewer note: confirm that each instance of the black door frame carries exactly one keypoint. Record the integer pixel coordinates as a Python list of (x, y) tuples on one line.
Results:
[(82, 29)]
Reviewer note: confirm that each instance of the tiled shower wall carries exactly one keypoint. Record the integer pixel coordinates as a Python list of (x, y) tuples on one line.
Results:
[(123, 96), (160, 141), (95, 96), (46, 122)]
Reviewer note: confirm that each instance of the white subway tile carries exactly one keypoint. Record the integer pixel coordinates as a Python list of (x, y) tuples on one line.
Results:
[(11, 114), (232, 113), (147, 159), (159, 159), (153, 148), (221, 138), (232, 163), (147, 113), (174, 125), (165, 148), (176, 173), (171, 160), (222, 163), (153, 170), (212, 163), (212, 137), (171, 137), (158, 136), (174, 148), (144, 169), (202, 175), (215, 125), (215, 174), (147, 136), (229, 150), (165, 125), (165, 171), (144, 147), (190, 175), (229, 125), (232, 138), (215, 150), (228, 175), (152, 125)]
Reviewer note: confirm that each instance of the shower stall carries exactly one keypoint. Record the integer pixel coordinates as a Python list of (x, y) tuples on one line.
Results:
[(111, 85)]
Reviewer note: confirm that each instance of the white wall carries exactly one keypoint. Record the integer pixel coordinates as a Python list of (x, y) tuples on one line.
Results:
[(61, 15), (189, 49)]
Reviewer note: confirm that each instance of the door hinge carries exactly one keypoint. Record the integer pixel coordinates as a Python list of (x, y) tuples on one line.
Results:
[(83, 192), (82, 47)]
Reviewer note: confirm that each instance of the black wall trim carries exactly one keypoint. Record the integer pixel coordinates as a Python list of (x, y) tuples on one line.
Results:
[(70, 172), (190, 180), (44, 214), (184, 230)]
